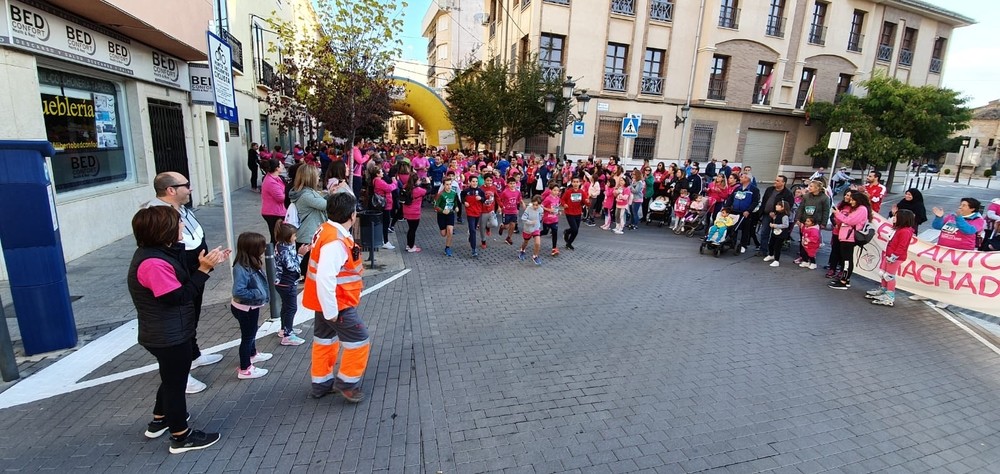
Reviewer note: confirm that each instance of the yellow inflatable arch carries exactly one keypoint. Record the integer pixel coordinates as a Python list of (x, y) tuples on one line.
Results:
[(427, 108)]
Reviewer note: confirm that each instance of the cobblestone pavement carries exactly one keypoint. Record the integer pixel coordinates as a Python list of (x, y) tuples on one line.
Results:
[(631, 353)]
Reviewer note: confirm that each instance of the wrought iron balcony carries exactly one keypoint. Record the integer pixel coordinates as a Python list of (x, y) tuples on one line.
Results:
[(905, 57), (237, 48), (623, 7), (561, 2), (854, 42), (431, 44), (615, 81), (661, 10), (817, 35), (552, 73), (775, 26), (884, 53), (267, 75), (717, 89), (936, 65), (729, 17), (652, 85)]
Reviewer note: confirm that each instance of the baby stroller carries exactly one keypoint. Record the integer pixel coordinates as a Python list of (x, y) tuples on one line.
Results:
[(694, 221), (728, 240), (659, 211)]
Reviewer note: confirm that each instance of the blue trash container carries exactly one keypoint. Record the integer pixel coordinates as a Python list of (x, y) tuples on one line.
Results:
[(32, 248)]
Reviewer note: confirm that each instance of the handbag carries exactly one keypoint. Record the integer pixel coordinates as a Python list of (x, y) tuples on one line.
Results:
[(864, 235), (378, 201)]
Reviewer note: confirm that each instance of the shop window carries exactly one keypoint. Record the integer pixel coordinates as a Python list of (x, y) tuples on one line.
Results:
[(84, 120)]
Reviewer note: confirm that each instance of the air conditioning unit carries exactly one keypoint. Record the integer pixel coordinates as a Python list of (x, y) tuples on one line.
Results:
[(482, 18)]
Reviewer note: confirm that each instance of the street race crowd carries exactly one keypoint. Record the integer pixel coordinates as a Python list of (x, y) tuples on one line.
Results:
[(310, 202)]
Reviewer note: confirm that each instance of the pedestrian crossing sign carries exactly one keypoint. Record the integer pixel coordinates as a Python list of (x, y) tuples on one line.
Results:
[(630, 127)]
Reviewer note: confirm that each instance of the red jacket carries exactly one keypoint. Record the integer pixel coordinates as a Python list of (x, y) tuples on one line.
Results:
[(900, 243)]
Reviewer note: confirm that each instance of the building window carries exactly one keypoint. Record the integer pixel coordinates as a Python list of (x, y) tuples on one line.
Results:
[(807, 80), (886, 39), (550, 55), (615, 59), (220, 10), (717, 80), (843, 86), (906, 49), (817, 31), (652, 72), (701, 143), (729, 14), (661, 10), (776, 19), (764, 83), (855, 39), (623, 7), (538, 144), (937, 56), (608, 136), (644, 146), (234, 129), (84, 117)]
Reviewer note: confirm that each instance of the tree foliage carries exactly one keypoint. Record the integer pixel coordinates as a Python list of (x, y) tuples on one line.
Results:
[(893, 122), (488, 102)]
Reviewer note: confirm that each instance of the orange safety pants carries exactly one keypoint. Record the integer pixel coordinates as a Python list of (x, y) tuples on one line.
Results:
[(347, 330)]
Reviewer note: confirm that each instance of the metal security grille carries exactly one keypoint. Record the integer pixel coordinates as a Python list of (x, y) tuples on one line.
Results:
[(608, 136), (644, 146), (538, 144), (701, 143), (166, 123)]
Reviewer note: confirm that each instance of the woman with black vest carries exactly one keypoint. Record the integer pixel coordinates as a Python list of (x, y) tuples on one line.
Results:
[(163, 290)]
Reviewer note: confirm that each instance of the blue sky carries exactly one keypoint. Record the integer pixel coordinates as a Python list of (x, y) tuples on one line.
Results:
[(971, 67)]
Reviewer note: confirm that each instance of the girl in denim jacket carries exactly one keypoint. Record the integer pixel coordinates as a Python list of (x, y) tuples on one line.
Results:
[(250, 293), (288, 262)]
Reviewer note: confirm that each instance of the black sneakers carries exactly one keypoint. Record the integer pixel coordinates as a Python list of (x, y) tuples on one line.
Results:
[(156, 428), (194, 440)]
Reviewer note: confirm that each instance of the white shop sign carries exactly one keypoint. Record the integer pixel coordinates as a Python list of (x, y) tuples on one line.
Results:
[(49, 31)]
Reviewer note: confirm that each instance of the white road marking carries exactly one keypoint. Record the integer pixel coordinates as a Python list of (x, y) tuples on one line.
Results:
[(63, 376), (965, 328)]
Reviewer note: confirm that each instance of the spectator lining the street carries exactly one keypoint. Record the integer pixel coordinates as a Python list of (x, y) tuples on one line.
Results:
[(287, 268), (852, 217), (272, 194), (250, 293), (893, 257)]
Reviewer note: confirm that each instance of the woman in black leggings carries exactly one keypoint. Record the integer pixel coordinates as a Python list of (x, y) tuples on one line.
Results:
[(855, 216)]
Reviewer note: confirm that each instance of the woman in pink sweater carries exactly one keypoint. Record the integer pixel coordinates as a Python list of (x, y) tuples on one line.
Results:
[(850, 218), (272, 194), (384, 189)]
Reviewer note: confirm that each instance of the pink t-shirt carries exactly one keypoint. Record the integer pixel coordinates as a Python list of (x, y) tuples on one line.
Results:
[(550, 202), (509, 200), (158, 275)]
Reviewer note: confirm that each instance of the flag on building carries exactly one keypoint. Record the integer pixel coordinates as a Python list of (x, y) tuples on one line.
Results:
[(810, 92), (765, 88)]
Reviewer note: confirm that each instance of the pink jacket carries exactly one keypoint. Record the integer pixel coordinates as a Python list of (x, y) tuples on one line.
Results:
[(272, 196), (851, 220), (411, 211), (385, 190)]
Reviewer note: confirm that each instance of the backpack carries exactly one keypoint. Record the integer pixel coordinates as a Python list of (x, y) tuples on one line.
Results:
[(292, 215)]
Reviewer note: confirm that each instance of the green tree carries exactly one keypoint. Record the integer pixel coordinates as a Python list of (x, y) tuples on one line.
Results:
[(401, 131), (474, 104), (893, 122)]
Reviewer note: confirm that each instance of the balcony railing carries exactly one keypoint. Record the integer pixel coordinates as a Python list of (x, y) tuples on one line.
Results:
[(623, 7), (552, 73), (525, 4), (729, 17), (266, 74), (652, 85), (717, 89), (905, 57), (775, 26), (237, 48), (817, 35), (493, 29), (936, 65), (661, 10), (854, 42), (561, 2), (615, 81), (884, 53), (431, 44)]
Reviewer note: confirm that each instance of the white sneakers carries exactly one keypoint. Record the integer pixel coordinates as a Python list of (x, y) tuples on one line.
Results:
[(768, 258), (388, 246), (205, 359), (775, 263), (194, 385), (251, 373), (261, 357)]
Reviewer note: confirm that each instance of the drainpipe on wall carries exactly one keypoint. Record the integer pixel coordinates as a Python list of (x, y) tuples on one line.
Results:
[(690, 91)]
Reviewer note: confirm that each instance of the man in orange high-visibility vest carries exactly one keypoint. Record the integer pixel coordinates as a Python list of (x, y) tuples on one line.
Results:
[(333, 290)]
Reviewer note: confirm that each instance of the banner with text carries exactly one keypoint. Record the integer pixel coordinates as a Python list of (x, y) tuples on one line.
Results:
[(965, 278)]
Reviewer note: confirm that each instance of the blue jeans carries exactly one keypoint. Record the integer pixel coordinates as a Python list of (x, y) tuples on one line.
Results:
[(248, 329), (288, 306), (636, 207), (473, 227)]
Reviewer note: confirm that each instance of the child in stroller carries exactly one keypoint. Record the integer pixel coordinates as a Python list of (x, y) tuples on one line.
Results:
[(694, 220), (658, 211), (722, 234)]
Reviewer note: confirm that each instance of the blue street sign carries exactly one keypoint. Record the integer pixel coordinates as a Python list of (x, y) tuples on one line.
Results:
[(578, 129), (630, 127)]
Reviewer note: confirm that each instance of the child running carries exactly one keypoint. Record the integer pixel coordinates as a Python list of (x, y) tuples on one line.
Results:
[(723, 221), (893, 258), (287, 269), (550, 216), (810, 243), (488, 220), (444, 205), (472, 201), (250, 293), (531, 228), (781, 228), (510, 201)]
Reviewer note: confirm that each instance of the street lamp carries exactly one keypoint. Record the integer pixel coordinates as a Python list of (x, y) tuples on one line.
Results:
[(965, 143), (679, 119), (582, 100)]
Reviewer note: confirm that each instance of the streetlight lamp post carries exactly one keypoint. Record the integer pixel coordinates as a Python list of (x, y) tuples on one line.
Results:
[(582, 100), (961, 157)]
